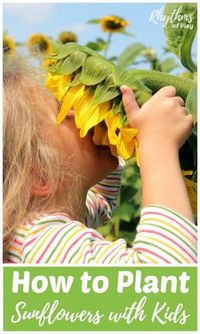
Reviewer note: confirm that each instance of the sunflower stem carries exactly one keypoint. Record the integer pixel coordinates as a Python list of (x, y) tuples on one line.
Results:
[(108, 44)]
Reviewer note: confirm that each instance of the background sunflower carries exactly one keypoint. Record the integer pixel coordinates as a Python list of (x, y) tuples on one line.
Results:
[(39, 43), (67, 36), (9, 47)]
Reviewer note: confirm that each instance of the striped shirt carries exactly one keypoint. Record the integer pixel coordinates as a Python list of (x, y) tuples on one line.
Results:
[(163, 236)]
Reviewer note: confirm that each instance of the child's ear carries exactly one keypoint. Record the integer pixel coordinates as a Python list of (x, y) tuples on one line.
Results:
[(39, 187), (40, 190)]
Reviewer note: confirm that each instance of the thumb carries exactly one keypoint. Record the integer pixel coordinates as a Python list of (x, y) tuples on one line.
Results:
[(130, 104)]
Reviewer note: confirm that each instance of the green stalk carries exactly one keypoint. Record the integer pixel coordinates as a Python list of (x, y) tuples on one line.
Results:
[(156, 80), (108, 44)]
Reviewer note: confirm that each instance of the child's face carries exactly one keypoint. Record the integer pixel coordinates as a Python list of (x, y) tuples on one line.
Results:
[(88, 160)]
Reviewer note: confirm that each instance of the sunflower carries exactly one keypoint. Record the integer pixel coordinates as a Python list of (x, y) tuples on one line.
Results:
[(9, 47), (67, 36), (113, 24), (39, 43), (84, 81)]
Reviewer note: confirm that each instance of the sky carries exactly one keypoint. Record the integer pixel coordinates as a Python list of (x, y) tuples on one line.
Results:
[(20, 20)]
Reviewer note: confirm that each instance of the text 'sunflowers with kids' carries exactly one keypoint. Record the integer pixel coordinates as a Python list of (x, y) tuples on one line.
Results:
[(100, 298)]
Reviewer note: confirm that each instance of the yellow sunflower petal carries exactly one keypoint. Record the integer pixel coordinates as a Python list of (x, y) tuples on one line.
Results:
[(88, 115), (126, 145), (72, 95), (58, 85), (113, 123), (124, 149)]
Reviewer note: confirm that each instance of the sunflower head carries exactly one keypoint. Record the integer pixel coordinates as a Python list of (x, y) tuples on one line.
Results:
[(9, 47), (67, 36), (86, 82), (39, 43), (113, 24)]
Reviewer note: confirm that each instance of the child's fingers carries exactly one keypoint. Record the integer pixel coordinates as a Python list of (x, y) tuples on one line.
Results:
[(130, 104), (167, 91), (179, 101)]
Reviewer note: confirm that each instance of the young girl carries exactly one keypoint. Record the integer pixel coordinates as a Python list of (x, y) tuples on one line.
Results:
[(54, 195)]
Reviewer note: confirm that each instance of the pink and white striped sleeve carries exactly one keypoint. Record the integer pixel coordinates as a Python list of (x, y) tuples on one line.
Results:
[(163, 237)]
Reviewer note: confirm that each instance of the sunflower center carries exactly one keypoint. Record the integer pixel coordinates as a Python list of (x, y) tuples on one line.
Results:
[(113, 25), (6, 48), (43, 45)]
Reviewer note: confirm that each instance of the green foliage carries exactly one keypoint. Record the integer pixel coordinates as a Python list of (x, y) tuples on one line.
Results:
[(105, 91), (130, 54), (180, 38), (90, 69), (98, 45), (94, 71), (191, 102), (72, 63), (127, 213), (156, 80), (167, 65), (94, 21)]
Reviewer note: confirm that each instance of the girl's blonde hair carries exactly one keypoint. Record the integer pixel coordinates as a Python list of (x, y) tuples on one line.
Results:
[(27, 153)]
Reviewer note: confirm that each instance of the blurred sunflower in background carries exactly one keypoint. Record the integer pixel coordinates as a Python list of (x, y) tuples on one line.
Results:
[(67, 36), (9, 47), (39, 43), (113, 24), (110, 24)]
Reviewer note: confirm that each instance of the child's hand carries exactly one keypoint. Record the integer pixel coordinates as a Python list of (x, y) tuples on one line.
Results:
[(163, 125), (162, 119)]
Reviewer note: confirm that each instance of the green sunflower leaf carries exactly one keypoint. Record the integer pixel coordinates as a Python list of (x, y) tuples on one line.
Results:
[(180, 37), (168, 65), (75, 81), (53, 69), (97, 45), (95, 70), (74, 61), (94, 21), (66, 49), (89, 51), (128, 56), (117, 105), (127, 33), (191, 102), (105, 92), (123, 77)]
